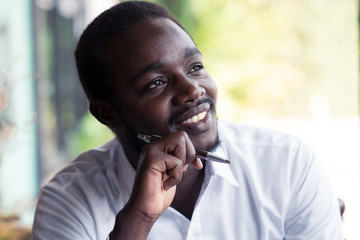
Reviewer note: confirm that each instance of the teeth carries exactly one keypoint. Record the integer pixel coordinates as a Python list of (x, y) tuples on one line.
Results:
[(196, 118)]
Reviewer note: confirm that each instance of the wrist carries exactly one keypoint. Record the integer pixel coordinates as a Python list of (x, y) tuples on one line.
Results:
[(132, 224), (133, 212)]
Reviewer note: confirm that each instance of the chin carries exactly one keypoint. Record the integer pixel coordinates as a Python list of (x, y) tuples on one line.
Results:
[(208, 141), (212, 147)]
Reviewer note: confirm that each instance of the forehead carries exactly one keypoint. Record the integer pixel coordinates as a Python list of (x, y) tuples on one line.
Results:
[(148, 41)]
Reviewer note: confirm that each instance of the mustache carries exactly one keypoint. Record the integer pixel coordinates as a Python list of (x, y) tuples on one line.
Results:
[(180, 112)]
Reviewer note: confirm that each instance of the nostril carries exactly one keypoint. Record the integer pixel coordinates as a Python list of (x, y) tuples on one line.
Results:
[(194, 93), (203, 91), (187, 90)]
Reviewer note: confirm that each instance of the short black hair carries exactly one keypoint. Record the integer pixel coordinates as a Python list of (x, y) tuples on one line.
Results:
[(94, 70)]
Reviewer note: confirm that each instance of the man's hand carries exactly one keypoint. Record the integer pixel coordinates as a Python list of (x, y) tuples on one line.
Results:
[(160, 169)]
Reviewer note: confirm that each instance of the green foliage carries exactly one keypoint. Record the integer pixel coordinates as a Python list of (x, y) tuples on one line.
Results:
[(277, 57), (90, 134)]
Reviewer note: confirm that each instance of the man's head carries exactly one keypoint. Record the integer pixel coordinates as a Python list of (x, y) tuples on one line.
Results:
[(149, 77), (94, 71)]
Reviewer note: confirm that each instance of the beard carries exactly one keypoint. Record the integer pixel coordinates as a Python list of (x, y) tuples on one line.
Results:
[(131, 136), (214, 145)]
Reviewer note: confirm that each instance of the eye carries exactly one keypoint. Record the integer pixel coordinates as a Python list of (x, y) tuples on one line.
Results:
[(156, 83), (196, 68)]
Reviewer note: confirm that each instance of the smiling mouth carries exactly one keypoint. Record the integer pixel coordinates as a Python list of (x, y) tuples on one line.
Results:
[(196, 118)]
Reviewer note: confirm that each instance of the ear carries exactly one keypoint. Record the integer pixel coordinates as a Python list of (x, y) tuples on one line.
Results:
[(102, 111)]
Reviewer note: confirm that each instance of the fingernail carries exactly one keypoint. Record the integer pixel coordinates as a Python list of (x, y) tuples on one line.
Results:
[(199, 162), (185, 167)]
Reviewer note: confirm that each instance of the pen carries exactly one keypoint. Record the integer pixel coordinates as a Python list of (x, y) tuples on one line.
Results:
[(202, 154)]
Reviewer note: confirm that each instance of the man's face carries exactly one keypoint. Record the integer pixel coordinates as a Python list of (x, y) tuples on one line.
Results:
[(161, 85)]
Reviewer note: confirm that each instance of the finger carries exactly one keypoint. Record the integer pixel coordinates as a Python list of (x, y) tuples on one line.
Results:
[(173, 175), (185, 167), (176, 146), (183, 149), (197, 163), (179, 145), (190, 149)]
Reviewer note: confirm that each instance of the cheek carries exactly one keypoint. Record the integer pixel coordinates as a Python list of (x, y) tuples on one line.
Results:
[(211, 89), (145, 115)]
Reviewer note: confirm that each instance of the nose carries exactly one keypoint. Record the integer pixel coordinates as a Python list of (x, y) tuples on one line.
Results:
[(187, 90)]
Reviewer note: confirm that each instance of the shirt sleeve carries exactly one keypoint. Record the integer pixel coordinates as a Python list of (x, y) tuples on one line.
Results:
[(60, 215), (313, 211)]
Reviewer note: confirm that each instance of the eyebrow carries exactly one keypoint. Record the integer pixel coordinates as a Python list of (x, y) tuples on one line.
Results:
[(149, 68), (158, 64), (191, 51)]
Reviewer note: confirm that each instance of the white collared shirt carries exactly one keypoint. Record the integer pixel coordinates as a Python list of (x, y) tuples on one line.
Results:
[(274, 188)]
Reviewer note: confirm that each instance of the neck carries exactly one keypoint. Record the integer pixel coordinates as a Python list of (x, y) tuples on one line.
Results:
[(131, 153)]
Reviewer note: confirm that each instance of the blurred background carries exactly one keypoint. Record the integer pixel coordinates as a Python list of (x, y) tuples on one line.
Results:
[(282, 64)]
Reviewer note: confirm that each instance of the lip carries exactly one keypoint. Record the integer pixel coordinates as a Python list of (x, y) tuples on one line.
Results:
[(193, 112), (197, 127)]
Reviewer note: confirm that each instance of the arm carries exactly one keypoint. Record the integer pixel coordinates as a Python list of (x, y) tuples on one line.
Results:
[(160, 169), (313, 211)]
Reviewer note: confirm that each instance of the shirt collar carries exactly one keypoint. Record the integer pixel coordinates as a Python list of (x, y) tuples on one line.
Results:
[(221, 169)]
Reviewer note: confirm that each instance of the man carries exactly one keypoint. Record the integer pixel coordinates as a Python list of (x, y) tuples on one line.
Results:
[(143, 74)]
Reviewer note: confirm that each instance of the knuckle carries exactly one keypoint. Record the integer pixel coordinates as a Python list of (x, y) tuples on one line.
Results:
[(177, 176), (182, 134), (178, 163), (183, 137), (148, 150)]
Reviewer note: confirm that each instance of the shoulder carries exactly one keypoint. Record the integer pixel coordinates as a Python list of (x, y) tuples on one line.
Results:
[(256, 136), (286, 170), (89, 163), (91, 175), (264, 151), (79, 193)]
